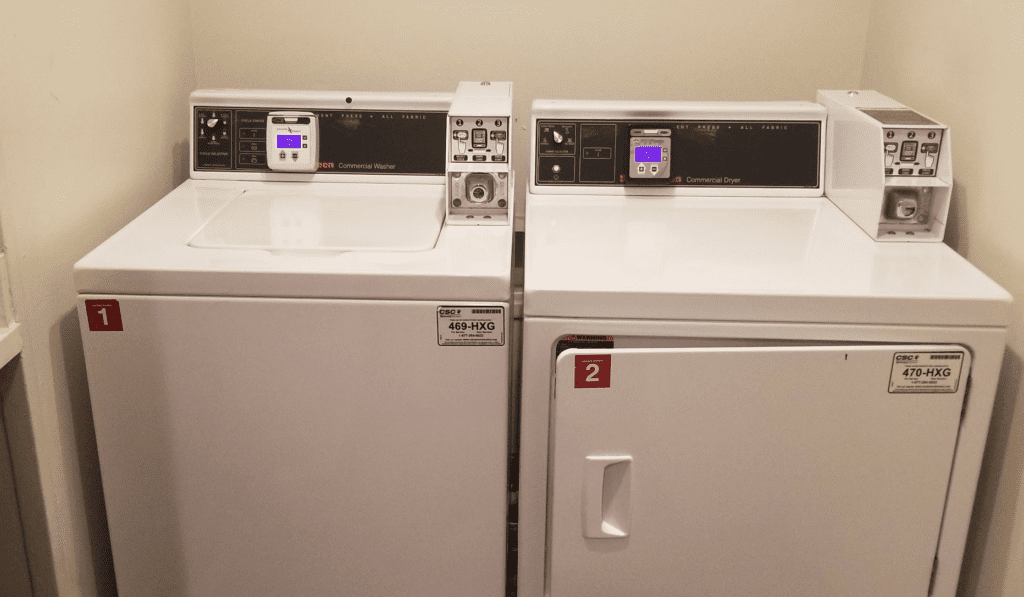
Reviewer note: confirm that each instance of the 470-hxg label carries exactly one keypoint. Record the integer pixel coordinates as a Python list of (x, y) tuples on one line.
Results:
[(926, 372), (930, 372)]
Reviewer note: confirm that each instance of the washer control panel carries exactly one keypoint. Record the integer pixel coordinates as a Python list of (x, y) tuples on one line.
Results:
[(338, 141), (292, 141), (479, 139), (650, 153)]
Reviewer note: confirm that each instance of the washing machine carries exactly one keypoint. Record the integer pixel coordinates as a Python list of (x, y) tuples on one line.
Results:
[(728, 387), (298, 361)]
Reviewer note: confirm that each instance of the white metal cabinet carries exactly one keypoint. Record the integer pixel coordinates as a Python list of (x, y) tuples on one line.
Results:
[(298, 447), (772, 470), (673, 267)]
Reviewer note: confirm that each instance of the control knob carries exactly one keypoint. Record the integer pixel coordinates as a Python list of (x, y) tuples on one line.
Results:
[(213, 126), (557, 137)]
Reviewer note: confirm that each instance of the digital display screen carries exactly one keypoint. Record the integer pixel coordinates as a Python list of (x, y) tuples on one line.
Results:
[(647, 154), (289, 141)]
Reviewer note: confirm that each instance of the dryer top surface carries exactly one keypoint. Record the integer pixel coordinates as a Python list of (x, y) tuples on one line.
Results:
[(740, 259)]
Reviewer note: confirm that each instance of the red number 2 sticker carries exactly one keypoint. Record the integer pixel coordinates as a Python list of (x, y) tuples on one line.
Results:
[(104, 315), (593, 371)]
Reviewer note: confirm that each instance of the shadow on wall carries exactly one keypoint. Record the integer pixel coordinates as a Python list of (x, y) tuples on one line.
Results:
[(14, 573), (180, 161), (69, 371), (956, 222), (999, 435), (27, 481)]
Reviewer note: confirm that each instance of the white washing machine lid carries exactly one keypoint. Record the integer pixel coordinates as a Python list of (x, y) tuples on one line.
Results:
[(302, 221), (302, 240), (740, 259)]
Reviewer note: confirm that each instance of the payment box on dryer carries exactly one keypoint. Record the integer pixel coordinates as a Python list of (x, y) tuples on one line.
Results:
[(888, 167)]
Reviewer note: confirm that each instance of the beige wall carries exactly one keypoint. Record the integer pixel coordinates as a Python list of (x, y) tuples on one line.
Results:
[(696, 49), (94, 120), (965, 71)]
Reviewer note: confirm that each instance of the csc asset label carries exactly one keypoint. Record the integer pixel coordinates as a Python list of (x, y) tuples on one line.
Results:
[(471, 325), (926, 372)]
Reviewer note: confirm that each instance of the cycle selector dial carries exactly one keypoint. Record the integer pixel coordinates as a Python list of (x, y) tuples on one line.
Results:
[(213, 126)]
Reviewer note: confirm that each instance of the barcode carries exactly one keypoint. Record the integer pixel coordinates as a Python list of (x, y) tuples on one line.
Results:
[(941, 357), (481, 311)]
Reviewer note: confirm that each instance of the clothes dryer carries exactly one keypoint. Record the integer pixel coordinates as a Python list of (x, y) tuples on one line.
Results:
[(298, 365), (728, 387)]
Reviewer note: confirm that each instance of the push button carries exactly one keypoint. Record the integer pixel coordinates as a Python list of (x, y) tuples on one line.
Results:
[(908, 153), (479, 138)]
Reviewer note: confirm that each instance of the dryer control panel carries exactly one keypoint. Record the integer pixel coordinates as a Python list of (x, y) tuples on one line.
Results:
[(682, 153)]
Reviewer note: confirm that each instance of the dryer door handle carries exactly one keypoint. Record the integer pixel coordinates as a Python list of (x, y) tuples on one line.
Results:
[(607, 486)]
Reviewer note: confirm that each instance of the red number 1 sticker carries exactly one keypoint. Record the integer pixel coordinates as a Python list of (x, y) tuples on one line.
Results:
[(104, 315), (593, 371)]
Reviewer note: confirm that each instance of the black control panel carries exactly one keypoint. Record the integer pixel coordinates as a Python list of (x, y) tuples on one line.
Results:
[(705, 153), (351, 141)]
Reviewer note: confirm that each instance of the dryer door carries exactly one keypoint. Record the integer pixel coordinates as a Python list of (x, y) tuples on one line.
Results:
[(798, 471)]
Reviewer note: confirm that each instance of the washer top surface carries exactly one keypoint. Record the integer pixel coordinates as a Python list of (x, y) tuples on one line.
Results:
[(740, 259), (308, 240)]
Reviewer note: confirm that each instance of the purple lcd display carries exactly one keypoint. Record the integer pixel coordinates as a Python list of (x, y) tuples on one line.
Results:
[(289, 141), (647, 154)]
